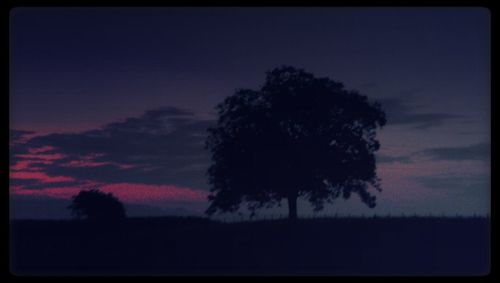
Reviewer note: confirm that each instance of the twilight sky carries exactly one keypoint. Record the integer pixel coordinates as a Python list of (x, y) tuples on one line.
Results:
[(120, 98)]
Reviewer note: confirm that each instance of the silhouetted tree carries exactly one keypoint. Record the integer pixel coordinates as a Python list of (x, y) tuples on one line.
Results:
[(298, 136), (96, 206)]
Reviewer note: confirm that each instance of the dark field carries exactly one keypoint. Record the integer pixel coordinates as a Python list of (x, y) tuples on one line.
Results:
[(196, 246)]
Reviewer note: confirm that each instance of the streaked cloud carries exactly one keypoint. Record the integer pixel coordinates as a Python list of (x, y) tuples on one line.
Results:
[(473, 183), (401, 112), (393, 159), (477, 152)]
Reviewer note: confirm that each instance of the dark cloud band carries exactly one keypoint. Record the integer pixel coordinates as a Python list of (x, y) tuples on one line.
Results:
[(163, 146)]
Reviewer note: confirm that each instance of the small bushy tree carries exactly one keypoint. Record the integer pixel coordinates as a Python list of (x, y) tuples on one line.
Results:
[(95, 205)]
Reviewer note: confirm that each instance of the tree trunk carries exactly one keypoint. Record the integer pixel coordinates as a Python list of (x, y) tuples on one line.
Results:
[(292, 207)]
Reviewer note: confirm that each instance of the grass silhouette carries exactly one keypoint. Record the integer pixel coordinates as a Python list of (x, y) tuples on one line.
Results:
[(199, 246)]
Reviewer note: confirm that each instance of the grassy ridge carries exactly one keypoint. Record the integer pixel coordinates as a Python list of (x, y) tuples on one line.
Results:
[(327, 246)]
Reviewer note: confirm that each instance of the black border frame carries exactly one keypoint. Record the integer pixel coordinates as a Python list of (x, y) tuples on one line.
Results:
[(8, 5)]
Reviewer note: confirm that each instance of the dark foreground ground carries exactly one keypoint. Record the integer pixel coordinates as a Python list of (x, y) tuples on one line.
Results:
[(193, 246)]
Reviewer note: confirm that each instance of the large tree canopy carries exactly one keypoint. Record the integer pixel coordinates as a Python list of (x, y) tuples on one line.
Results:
[(298, 136)]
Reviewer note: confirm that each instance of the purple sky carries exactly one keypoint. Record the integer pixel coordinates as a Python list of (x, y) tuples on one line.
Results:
[(120, 98)]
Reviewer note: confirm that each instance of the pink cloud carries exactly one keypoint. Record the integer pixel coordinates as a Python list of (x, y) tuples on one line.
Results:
[(143, 193), (40, 149), (27, 165), (41, 128), (84, 163), (39, 176), (35, 155), (57, 193), (126, 192), (46, 157), (125, 166)]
